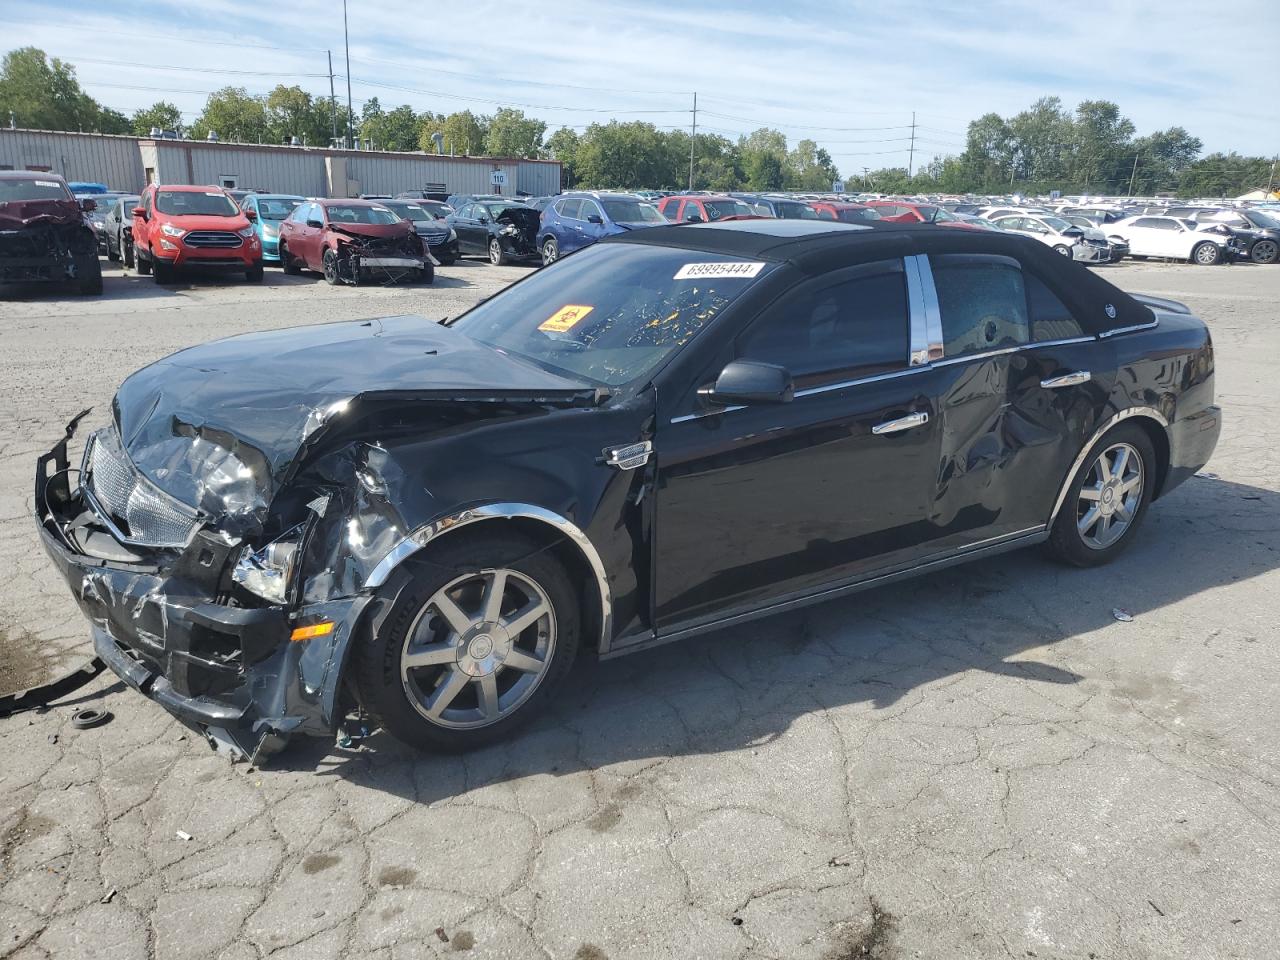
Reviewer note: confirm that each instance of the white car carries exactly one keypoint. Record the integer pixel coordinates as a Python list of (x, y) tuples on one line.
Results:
[(1170, 237), (1065, 238)]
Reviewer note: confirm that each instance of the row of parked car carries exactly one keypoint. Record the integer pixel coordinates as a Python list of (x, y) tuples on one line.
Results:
[(403, 238)]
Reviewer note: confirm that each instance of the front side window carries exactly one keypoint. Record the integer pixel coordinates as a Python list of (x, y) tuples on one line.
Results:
[(831, 329), (716, 209), (983, 303), (796, 211), (857, 215), (613, 312), (196, 203), (589, 210)]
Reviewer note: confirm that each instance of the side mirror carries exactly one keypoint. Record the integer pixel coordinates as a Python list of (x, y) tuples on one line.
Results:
[(251, 214), (139, 212), (747, 381), (594, 218), (88, 205), (318, 224), (693, 218)]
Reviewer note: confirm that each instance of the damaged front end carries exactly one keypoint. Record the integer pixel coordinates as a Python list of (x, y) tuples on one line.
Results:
[(221, 535), (359, 258), (47, 247)]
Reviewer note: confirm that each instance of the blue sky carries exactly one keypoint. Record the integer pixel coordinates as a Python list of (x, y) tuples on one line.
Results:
[(846, 74)]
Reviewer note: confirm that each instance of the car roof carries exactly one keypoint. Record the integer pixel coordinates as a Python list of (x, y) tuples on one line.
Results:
[(276, 196), (353, 202), (30, 175)]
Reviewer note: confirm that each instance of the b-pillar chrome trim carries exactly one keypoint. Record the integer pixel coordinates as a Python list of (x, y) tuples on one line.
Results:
[(504, 511), (1149, 412), (926, 318)]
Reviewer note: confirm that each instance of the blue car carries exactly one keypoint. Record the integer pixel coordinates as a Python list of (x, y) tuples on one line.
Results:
[(272, 209), (577, 220)]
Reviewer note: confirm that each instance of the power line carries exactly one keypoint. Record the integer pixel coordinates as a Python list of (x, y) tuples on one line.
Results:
[(191, 69)]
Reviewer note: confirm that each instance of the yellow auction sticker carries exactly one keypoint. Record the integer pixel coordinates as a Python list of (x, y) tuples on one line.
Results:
[(566, 318)]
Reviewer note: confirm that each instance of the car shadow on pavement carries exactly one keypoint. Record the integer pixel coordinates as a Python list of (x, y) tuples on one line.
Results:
[(743, 687)]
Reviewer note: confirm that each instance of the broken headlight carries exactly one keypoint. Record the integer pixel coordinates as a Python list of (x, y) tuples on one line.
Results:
[(268, 571)]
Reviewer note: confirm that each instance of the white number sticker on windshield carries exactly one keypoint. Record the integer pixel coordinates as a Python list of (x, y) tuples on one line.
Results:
[(700, 271), (46, 183)]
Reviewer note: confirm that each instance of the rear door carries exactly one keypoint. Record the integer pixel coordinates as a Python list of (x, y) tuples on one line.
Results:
[(570, 224)]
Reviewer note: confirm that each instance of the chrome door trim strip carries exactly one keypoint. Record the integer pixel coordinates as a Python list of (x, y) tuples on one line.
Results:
[(918, 349), (1131, 329), (829, 387), (1149, 412), (933, 312), (992, 545), (420, 537)]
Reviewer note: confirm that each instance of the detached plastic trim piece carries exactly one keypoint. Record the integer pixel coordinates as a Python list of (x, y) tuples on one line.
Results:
[(22, 700)]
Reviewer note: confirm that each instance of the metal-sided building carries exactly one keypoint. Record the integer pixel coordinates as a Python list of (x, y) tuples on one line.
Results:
[(128, 163)]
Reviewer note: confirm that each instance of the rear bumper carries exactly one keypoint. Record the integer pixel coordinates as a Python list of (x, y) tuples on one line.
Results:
[(228, 672), (1191, 443)]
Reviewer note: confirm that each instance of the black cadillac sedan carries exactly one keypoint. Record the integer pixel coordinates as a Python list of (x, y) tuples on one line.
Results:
[(671, 431)]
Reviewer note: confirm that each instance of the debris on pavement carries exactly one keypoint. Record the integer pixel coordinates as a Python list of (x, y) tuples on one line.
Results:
[(183, 835), (444, 937), (1124, 616), (88, 717), (108, 896)]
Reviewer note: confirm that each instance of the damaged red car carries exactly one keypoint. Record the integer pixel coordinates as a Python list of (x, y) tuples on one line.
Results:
[(354, 241), (43, 234)]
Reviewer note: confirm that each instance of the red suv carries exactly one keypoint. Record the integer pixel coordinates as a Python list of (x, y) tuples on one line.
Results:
[(844, 212), (705, 209), (175, 227)]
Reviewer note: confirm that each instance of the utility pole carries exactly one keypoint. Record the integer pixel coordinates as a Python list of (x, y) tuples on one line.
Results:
[(865, 181), (333, 102), (693, 139), (346, 43), (911, 156), (1270, 180), (1133, 176)]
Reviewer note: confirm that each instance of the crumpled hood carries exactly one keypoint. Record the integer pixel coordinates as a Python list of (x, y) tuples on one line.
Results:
[(217, 426), (17, 214), (372, 230)]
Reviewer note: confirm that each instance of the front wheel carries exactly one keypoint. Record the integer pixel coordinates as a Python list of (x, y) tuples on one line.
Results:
[(287, 264), (1206, 254), (1062, 249), (330, 262), (550, 251), (1265, 251), (427, 274), (90, 285), (1106, 500), (477, 643), (144, 264), (496, 254), (162, 271), (254, 273)]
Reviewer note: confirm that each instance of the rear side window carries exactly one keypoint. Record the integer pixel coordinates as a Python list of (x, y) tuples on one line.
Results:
[(1050, 318), (983, 303), (827, 331), (670, 209)]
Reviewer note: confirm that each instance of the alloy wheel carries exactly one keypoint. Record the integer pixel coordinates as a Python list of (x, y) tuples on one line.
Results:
[(495, 252), (550, 252), (478, 648), (1207, 254), (1265, 251), (1110, 496)]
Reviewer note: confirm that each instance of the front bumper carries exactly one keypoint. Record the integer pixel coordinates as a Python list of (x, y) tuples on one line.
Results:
[(228, 672)]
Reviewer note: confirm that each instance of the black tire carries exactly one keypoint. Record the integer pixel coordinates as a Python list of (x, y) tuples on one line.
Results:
[(90, 285), (497, 256), (1066, 543), (447, 260), (144, 263), (126, 252), (1206, 254), (330, 261), (550, 251), (1062, 249), (377, 668), (162, 272), (254, 273), (1265, 250), (113, 255), (427, 274), (287, 263)]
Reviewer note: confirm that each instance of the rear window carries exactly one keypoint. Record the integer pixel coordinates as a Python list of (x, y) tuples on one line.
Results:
[(276, 208), (37, 188), (195, 203)]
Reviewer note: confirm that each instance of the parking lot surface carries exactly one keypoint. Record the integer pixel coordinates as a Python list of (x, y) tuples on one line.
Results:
[(1010, 758)]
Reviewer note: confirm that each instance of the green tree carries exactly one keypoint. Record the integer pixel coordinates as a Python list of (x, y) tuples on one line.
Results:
[(563, 146), (292, 112), (809, 168), (44, 94), (162, 115), (464, 133), (512, 134), (764, 159), (396, 129), (623, 155), (1162, 157), (234, 116), (1101, 153), (1037, 139), (1224, 175)]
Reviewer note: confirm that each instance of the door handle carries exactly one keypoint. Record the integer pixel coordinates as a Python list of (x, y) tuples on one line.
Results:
[(902, 423), (1067, 380)]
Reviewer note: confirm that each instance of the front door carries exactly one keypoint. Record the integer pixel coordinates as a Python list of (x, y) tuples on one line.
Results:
[(760, 502)]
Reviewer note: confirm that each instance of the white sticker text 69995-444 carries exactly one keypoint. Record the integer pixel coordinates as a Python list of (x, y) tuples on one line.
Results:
[(700, 271)]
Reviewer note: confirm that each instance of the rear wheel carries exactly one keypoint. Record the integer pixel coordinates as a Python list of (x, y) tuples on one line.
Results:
[(126, 251), (1206, 254), (1265, 251), (1107, 500), (330, 262), (496, 254), (112, 255), (476, 644)]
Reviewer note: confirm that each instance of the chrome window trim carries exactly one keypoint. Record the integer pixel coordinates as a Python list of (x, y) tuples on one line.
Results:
[(425, 534), (933, 313), (1149, 412), (919, 339), (829, 387), (1130, 329)]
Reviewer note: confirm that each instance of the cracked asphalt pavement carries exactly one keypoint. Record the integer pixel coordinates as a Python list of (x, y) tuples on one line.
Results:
[(980, 763)]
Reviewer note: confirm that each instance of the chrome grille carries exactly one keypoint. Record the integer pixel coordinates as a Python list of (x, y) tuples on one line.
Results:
[(435, 237), (212, 238), (132, 506)]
